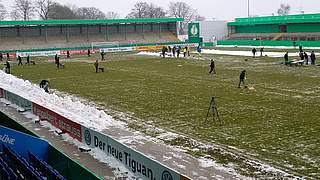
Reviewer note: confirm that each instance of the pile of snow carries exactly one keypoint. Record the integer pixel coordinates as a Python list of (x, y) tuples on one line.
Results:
[(146, 53), (246, 53), (268, 47), (232, 53), (66, 106)]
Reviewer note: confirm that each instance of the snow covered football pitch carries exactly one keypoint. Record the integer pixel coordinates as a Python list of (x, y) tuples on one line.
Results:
[(276, 121)]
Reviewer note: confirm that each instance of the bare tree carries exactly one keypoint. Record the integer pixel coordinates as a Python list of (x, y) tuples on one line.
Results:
[(14, 15), (154, 11), (139, 10), (182, 10), (23, 9), (112, 15), (61, 12), (284, 9), (145, 10), (44, 8), (3, 12), (89, 13)]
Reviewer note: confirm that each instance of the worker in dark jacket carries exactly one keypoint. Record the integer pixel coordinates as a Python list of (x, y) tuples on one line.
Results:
[(313, 58), (242, 77), (306, 57), (45, 85), (212, 67), (164, 50), (20, 61), (254, 50), (301, 55), (286, 58), (96, 65), (174, 49), (261, 51), (7, 68), (102, 55), (28, 60), (178, 51)]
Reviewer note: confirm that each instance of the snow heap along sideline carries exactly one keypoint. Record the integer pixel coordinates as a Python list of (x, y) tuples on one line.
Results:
[(70, 117)]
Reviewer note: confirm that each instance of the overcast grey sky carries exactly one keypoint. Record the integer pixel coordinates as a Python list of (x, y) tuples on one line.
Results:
[(219, 9)]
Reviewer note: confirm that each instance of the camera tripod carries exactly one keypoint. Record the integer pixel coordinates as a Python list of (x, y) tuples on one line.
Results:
[(214, 110)]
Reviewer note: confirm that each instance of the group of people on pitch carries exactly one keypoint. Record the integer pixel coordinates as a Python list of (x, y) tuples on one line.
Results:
[(304, 57), (175, 51), (254, 51), (7, 66)]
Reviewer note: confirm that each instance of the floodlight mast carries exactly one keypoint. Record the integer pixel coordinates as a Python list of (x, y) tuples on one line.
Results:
[(248, 8)]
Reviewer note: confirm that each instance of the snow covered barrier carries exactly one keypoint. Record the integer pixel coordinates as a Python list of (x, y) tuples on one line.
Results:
[(136, 162), (65, 125), (17, 100)]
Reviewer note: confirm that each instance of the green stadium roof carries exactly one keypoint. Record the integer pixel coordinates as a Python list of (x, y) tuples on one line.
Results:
[(289, 19), (89, 21)]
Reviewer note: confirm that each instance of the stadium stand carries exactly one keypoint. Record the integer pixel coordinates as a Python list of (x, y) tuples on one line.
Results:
[(15, 166), (302, 27), (78, 33)]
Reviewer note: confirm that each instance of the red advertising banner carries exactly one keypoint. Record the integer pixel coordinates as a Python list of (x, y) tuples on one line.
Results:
[(66, 125), (81, 52), (12, 55)]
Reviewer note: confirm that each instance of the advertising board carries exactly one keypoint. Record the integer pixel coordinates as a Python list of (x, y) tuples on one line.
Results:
[(60, 122), (81, 52), (148, 48), (17, 100), (17, 141), (118, 49), (38, 53), (137, 163)]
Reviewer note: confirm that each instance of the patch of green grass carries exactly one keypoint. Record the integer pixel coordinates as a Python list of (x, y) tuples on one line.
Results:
[(277, 123)]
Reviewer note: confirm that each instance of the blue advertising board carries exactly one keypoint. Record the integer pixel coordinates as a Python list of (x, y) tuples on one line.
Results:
[(23, 143)]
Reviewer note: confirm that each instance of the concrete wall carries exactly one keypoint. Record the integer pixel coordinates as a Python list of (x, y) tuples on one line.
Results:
[(218, 29)]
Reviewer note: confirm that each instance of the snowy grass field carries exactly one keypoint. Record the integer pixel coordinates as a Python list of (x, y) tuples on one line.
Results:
[(278, 122)]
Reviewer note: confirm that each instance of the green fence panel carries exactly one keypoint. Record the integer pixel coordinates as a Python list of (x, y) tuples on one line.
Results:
[(291, 28), (258, 29), (209, 44), (67, 167), (12, 124), (298, 18)]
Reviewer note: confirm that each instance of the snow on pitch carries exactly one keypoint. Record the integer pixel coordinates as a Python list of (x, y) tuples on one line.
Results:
[(232, 53), (78, 112), (84, 114)]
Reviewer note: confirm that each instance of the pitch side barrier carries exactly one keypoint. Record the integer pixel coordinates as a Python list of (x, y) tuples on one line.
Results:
[(58, 160), (82, 51), (138, 163)]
